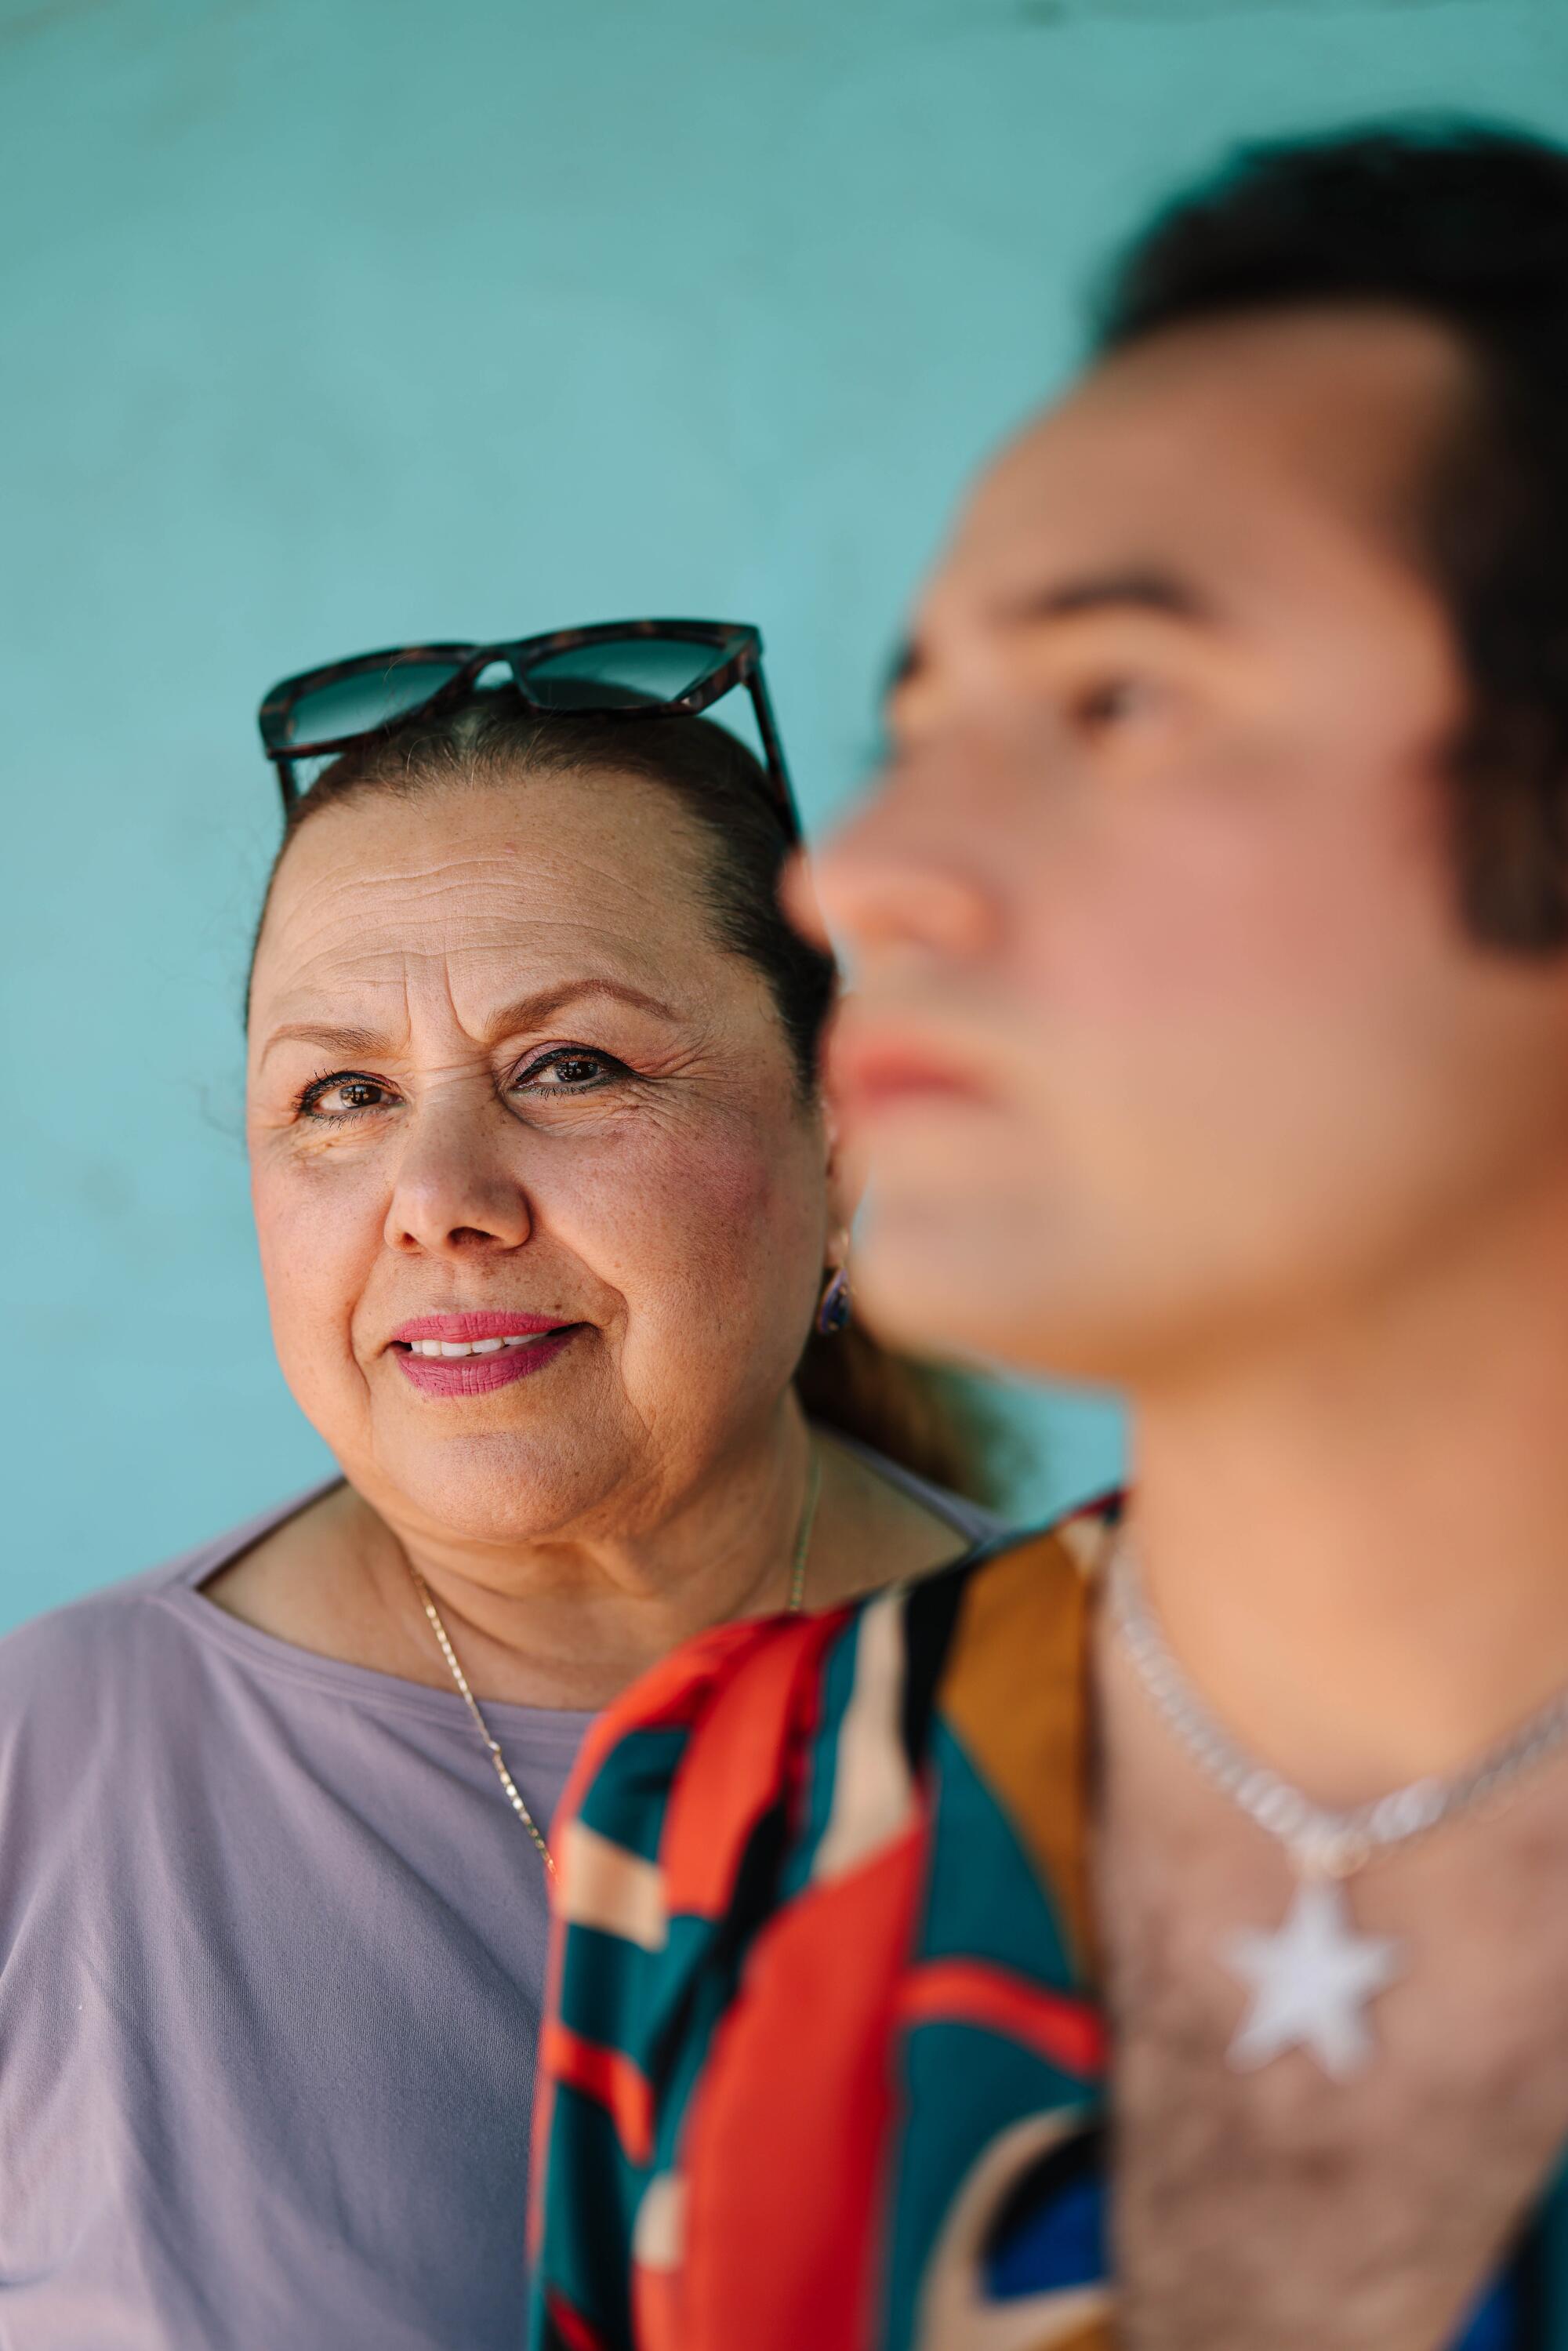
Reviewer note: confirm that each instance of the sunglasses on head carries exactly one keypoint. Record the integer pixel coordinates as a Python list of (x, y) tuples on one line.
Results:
[(617, 669)]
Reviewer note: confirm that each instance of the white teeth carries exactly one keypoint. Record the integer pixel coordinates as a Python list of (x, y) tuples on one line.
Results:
[(450, 1347)]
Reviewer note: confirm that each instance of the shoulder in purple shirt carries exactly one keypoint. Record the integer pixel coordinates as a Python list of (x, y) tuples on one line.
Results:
[(271, 1954)]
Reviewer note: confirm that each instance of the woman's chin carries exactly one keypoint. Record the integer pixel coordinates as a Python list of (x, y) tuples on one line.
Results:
[(498, 1486)]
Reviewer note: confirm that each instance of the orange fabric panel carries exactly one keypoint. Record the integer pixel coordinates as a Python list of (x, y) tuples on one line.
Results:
[(655, 2309), (538, 2141), (739, 1762), (789, 2139), (609, 2078), (669, 1693), (1014, 1696), (1067, 2034)]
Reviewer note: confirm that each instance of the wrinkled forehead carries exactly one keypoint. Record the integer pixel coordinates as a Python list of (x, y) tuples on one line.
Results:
[(462, 887), (1233, 449)]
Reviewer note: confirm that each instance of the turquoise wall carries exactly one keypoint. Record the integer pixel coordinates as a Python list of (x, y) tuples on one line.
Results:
[(330, 323)]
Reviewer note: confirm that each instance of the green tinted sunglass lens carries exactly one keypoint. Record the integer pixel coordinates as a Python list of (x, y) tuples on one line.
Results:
[(366, 699), (626, 670)]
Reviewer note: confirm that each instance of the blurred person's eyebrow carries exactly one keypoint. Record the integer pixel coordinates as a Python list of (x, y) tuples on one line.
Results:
[(527, 1012), (1163, 592), (1140, 592)]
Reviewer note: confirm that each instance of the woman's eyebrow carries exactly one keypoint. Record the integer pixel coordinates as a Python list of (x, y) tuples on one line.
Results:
[(525, 1012), (529, 1011), (330, 1036)]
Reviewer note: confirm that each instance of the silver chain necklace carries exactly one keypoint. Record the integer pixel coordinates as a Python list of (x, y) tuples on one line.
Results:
[(1312, 1978), (792, 1607)]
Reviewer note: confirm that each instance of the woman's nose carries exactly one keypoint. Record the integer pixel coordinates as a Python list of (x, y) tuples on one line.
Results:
[(453, 1192)]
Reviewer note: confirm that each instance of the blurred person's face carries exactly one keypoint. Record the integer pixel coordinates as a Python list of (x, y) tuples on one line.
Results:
[(1164, 1030), (507, 1091)]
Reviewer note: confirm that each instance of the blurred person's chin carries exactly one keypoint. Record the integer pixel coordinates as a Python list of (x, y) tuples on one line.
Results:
[(959, 1258), (980, 1243)]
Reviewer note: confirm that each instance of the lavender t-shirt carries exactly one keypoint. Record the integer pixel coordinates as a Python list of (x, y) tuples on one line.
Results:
[(271, 1951), (271, 1946)]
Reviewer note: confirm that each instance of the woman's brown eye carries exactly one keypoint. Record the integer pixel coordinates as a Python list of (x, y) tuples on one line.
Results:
[(568, 1072), (339, 1097)]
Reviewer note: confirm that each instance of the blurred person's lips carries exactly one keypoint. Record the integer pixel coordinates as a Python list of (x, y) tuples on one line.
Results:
[(870, 1075), (471, 1353)]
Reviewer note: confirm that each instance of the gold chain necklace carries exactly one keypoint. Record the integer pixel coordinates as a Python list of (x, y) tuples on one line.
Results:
[(793, 1607)]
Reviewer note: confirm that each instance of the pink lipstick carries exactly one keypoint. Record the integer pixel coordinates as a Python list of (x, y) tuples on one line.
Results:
[(469, 1354)]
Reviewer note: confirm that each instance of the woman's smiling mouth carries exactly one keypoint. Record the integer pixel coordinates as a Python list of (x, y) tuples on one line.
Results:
[(470, 1346), (470, 1354)]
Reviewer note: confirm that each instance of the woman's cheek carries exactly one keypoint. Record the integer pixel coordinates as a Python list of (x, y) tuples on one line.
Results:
[(712, 1204), (717, 1259), (317, 1242)]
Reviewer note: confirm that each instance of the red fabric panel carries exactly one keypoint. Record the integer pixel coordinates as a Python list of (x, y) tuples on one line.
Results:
[(574, 2331), (737, 1761), (538, 2148), (672, 1692), (675, 1691), (1066, 2033), (606, 2076), (655, 2309), (788, 2141)]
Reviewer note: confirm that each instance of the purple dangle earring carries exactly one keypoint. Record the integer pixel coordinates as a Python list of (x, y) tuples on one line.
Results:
[(834, 1311)]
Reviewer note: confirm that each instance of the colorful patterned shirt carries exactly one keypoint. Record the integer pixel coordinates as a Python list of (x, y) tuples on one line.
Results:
[(824, 2064)]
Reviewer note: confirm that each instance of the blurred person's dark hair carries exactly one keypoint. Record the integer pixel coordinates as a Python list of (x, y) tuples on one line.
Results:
[(927, 1419), (1467, 225)]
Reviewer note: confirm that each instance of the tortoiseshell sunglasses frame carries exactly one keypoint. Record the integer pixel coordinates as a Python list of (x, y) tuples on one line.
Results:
[(737, 661)]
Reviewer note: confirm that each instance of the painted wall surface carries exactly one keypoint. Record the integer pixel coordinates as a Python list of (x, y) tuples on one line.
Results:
[(333, 323)]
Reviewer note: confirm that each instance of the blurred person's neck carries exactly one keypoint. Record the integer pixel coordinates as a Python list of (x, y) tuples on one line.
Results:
[(1358, 1537)]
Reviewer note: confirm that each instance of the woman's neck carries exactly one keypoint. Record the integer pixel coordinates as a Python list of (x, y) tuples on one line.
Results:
[(569, 1619), (570, 1622)]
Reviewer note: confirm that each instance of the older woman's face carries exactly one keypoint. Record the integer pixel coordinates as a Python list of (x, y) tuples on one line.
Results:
[(501, 1069)]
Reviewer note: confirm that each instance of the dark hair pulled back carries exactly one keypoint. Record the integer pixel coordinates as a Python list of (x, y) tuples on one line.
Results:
[(919, 1416), (1467, 225)]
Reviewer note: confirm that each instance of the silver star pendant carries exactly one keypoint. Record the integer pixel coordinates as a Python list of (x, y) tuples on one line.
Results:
[(1311, 1980)]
